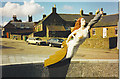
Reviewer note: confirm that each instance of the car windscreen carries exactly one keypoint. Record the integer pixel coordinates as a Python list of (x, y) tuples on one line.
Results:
[(38, 39), (61, 40)]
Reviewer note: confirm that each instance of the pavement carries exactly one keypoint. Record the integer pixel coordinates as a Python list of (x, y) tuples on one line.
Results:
[(19, 52)]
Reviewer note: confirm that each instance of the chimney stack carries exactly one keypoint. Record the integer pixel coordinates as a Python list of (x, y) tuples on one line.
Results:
[(97, 11), (54, 9), (44, 15), (104, 13), (90, 13), (29, 18), (81, 12), (14, 18), (101, 9)]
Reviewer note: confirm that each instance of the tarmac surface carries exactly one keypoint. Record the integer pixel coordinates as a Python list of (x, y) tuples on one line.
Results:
[(20, 60), (19, 52)]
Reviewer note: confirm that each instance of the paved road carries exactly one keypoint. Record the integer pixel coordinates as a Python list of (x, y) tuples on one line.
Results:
[(18, 51)]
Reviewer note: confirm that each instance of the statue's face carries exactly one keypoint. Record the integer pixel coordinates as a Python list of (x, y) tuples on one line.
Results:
[(83, 22)]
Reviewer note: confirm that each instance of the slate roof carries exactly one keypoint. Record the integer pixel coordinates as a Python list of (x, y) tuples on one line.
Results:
[(88, 18), (23, 24), (56, 28), (73, 17), (69, 17), (9, 25), (22, 31), (108, 20), (40, 21), (15, 27)]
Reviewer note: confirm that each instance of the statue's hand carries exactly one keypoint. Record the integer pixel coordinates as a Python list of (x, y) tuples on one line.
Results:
[(97, 11), (101, 11)]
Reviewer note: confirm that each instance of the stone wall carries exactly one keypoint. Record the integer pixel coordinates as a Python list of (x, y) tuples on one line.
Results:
[(104, 43), (99, 32), (78, 69), (93, 69), (15, 36)]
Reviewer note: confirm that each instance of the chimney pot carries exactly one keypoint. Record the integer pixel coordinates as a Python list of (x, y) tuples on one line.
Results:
[(81, 12), (101, 9), (44, 15), (54, 9), (54, 6), (29, 18), (90, 13), (14, 18)]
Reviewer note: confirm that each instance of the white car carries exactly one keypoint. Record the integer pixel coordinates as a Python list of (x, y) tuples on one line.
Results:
[(34, 40)]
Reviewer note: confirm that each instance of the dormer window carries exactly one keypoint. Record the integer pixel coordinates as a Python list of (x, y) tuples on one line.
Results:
[(93, 32)]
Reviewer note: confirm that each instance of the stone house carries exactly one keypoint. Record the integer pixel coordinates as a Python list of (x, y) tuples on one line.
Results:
[(104, 33), (58, 25), (15, 29), (106, 27)]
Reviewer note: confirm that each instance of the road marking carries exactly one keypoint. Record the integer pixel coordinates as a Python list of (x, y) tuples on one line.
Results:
[(97, 60), (73, 60)]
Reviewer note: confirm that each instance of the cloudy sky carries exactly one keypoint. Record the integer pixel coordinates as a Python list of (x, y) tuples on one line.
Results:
[(37, 9)]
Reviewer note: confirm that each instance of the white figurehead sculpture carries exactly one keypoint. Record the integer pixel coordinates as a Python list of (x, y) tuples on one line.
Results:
[(79, 34), (70, 46)]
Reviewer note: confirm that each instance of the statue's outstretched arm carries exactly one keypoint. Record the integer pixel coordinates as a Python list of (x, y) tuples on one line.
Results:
[(94, 20)]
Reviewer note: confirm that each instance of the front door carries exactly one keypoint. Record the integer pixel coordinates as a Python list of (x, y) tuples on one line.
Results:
[(8, 35)]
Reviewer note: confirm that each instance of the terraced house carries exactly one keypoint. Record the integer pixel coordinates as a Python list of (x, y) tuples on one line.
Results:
[(58, 25), (16, 29), (102, 35)]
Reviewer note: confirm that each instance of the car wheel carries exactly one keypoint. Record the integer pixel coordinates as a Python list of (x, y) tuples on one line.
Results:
[(50, 45), (37, 44), (28, 42)]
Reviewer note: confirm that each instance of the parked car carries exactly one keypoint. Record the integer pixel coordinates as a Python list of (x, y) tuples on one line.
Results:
[(55, 42), (34, 40)]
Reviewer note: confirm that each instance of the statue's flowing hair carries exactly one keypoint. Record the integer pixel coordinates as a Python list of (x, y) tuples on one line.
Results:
[(77, 24)]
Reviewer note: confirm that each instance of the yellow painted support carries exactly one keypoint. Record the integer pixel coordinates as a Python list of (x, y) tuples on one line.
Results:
[(58, 56)]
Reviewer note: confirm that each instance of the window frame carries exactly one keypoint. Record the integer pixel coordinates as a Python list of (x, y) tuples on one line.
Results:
[(93, 31)]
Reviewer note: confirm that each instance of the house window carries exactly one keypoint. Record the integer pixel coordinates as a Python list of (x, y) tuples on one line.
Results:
[(22, 25), (53, 32), (93, 32), (105, 32), (116, 31), (76, 19), (27, 27)]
